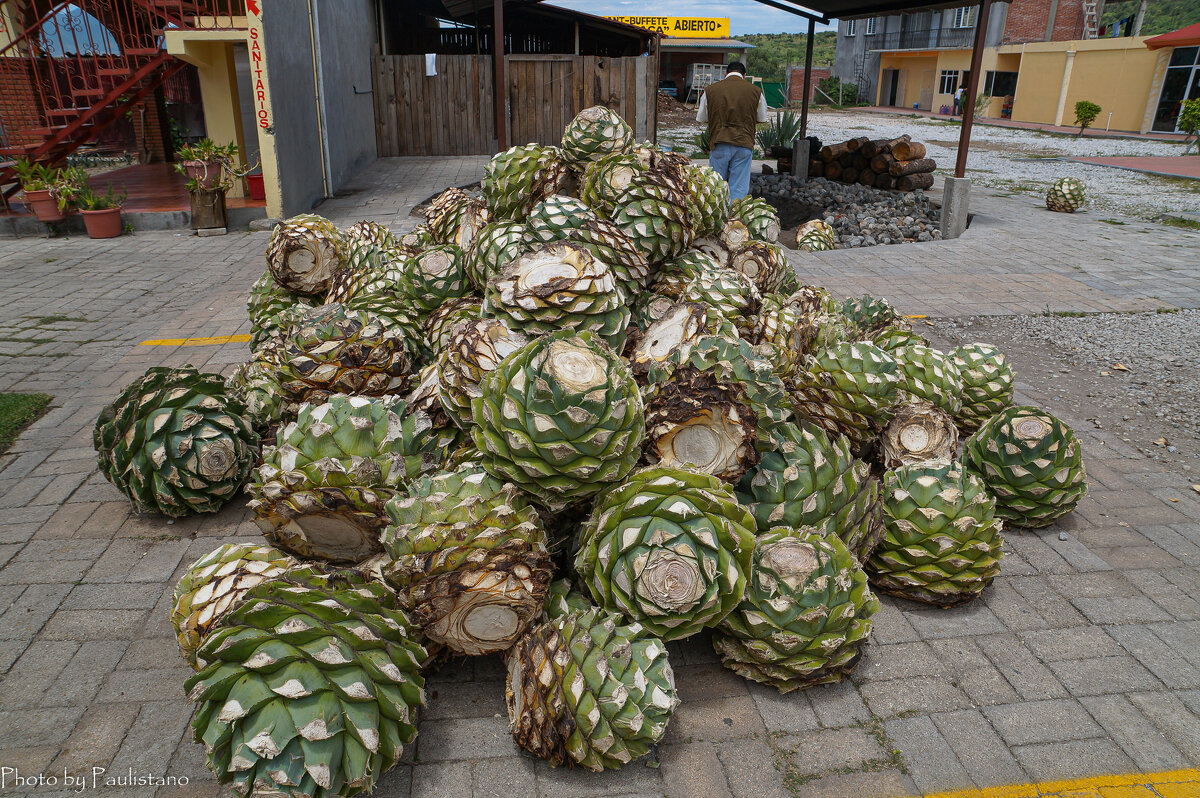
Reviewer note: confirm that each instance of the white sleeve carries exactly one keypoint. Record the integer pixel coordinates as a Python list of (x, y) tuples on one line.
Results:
[(702, 111), (762, 107)]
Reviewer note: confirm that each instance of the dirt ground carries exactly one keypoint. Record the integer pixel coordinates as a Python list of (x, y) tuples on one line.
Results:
[(1079, 362)]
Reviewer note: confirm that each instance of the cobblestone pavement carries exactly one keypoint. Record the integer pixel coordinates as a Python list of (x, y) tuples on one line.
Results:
[(1083, 658)]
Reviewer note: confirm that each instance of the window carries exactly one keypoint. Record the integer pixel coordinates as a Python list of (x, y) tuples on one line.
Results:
[(871, 26), (1000, 84), (851, 27), (949, 82), (964, 17)]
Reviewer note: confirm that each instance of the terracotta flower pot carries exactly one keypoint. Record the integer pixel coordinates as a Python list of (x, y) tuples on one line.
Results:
[(44, 206), (206, 173), (103, 224)]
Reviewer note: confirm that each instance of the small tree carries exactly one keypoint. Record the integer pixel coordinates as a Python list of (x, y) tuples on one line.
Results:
[(1189, 122), (1085, 113)]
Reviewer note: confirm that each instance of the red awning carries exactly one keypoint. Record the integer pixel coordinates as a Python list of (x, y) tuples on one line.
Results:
[(1184, 37)]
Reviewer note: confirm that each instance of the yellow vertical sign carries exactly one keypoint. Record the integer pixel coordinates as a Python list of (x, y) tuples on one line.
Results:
[(258, 66), (681, 27)]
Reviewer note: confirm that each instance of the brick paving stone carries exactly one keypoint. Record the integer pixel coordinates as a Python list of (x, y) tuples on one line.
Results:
[(30, 612), (747, 771), (837, 705), (1042, 722), (973, 619), (1155, 655), (781, 712), (31, 728), (693, 769), (898, 661), (1012, 609), (96, 738), (974, 673), (78, 683), (1078, 642), (979, 749), (884, 783), (35, 671), (830, 750), (715, 720), (1110, 584), (1104, 676), (442, 780), (1072, 759), (931, 762), (1148, 747), (464, 739), (920, 694), (1169, 713), (1120, 610), (501, 778), (1029, 677), (635, 778), (94, 624)]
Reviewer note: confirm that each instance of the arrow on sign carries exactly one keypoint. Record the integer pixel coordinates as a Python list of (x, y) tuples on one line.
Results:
[(253, 6)]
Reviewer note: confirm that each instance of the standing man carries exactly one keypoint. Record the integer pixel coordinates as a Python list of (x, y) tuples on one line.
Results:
[(732, 107), (958, 101)]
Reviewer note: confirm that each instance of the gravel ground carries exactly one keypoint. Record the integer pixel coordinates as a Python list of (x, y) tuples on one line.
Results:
[(1075, 359), (1015, 160)]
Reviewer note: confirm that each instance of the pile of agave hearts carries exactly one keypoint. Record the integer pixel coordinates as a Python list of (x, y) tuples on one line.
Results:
[(588, 413)]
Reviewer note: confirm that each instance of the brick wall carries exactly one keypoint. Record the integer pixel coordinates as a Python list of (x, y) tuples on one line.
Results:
[(153, 148), (796, 83), (1027, 20), (18, 101)]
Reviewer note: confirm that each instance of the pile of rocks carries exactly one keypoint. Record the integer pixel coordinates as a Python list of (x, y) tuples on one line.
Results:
[(860, 216)]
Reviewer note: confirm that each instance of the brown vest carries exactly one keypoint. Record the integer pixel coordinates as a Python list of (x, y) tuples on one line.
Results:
[(732, 112)]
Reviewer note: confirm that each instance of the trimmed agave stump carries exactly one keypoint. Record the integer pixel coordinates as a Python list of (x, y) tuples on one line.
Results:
[(208, 209)]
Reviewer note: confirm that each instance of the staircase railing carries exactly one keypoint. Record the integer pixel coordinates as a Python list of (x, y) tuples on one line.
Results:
[(72, 69)]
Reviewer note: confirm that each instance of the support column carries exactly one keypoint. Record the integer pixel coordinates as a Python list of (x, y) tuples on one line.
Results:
[(964, 135), (217, 74), (808, 56), (956, 202), (1066, 84), (800, 158), (500, 100)]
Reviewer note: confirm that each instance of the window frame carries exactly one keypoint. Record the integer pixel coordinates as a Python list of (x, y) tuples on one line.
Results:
[(851, 27), (871, 26), (951, 75), (964, 17)]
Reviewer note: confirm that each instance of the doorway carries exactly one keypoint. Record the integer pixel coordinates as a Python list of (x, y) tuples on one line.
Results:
[(887, 92), (1182, 82)]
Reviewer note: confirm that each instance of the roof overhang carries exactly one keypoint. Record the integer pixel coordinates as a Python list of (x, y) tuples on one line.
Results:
[(1184, 37), (668, 43)]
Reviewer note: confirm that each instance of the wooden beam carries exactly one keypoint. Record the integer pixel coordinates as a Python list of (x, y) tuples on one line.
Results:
[(808, 55), (964, 135), (793, 10), (500, 99)]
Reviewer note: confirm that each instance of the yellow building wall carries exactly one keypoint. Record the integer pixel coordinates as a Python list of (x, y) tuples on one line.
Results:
[(916, 72), (1116, 74), (1038, 85)]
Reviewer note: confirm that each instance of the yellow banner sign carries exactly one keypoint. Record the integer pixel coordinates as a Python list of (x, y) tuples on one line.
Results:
[(682, 27)]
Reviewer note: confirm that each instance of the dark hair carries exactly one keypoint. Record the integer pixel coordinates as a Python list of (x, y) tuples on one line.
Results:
[(736, 66)]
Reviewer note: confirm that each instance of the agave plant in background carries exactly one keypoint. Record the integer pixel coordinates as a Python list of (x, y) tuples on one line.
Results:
[(779, 133)]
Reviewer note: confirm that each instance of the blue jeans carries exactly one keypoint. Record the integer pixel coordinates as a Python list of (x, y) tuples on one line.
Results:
[(733, 164)]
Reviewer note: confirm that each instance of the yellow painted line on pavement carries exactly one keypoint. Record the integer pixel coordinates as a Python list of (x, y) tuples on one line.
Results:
[(1168, 784), (916, 316), (212, 341)]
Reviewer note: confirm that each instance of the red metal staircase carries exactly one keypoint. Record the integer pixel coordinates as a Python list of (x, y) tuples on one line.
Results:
[(71, 69)]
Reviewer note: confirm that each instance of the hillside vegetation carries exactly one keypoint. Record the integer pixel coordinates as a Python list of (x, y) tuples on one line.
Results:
[(1162, 16), (773, 51)]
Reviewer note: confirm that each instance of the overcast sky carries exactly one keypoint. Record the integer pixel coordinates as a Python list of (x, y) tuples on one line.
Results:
[(745, 16)]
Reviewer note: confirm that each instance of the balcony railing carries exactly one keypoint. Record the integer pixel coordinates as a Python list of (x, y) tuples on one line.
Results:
[(927, 39)]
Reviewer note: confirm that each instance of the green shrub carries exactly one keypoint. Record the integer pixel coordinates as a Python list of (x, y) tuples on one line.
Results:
[(849, 92), (1189, 122), (1085, 113)]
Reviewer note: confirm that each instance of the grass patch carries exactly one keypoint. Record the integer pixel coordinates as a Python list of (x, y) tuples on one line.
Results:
[(1175, 221), (39, 320), (18, 411)]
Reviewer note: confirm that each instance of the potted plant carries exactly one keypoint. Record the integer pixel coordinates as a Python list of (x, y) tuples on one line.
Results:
[(205, 161), (101, 212), (38, 183), (208, 191)]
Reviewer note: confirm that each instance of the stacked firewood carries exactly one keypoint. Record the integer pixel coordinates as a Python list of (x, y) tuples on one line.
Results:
[(895, 164)]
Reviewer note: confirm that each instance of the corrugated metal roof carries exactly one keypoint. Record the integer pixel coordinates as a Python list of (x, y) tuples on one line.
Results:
[(668, 43)]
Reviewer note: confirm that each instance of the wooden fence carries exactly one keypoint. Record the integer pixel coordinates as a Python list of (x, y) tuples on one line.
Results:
[(451, 113)]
